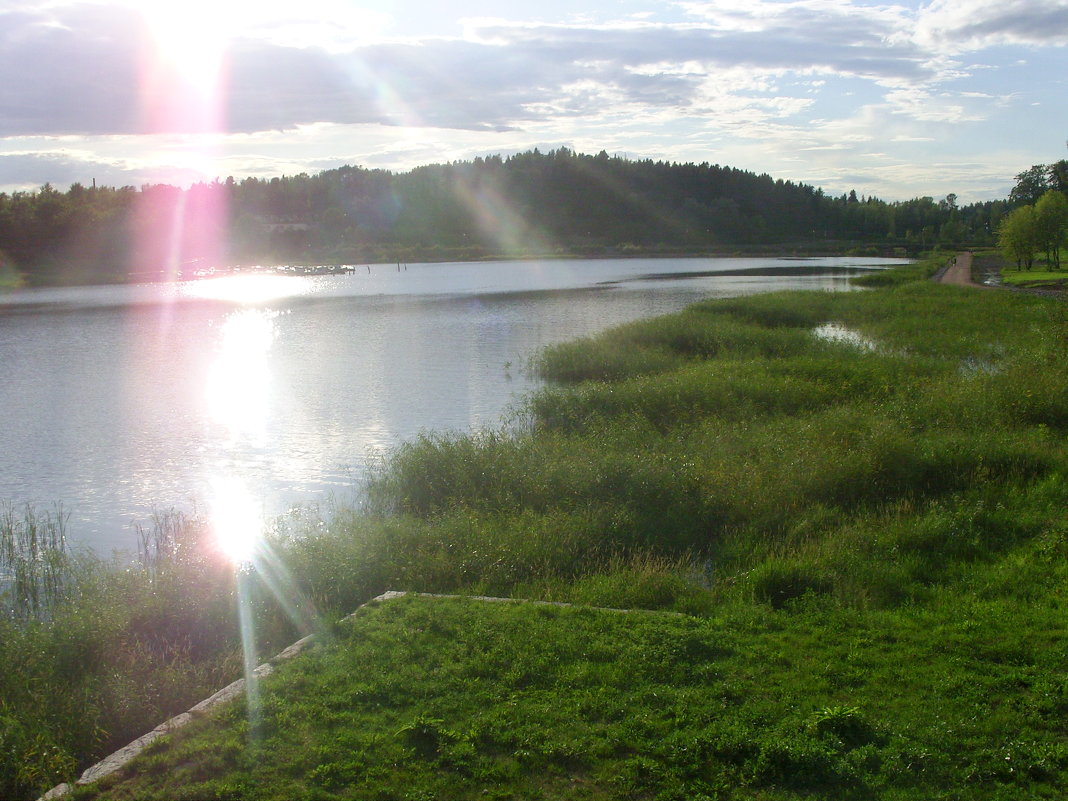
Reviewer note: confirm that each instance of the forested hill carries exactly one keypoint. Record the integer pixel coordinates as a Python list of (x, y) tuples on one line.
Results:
[(528, 204)]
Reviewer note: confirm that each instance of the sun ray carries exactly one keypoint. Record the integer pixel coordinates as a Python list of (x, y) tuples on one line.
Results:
[(249, 649)]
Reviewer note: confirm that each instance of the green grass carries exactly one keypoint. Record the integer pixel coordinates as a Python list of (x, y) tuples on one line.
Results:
[(1034, 278), (432, 698), (10, 278), (1040, 276), (873, 538)]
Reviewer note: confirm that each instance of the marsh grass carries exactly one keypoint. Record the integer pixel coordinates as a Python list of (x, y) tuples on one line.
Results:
[(97, 652), (917, 271), (35, 564), (760, 437)]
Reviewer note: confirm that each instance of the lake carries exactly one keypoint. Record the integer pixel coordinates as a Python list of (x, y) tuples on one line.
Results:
[(279, 390)]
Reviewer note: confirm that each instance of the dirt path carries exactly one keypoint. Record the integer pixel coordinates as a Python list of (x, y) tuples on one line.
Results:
[(959, 271)]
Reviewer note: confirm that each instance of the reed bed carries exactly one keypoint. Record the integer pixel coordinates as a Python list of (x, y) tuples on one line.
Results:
[(34, 561)]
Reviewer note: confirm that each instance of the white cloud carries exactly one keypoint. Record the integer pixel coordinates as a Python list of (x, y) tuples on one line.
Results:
[(276, 80), (860, 23), (926, 106), (967, 25)]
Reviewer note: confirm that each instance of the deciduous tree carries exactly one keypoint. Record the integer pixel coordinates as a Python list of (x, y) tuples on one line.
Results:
[(1051, 225), (1017, 236), (1031, 184)]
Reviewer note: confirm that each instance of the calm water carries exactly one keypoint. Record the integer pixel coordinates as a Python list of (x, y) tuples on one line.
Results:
[(122, 400)]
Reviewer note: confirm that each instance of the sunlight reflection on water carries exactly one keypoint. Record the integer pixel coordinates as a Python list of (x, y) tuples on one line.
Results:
[(236, 518), (238, 388), (238, 391), (247, 289)]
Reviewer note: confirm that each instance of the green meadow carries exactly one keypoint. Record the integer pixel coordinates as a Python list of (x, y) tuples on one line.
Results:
[(1043, 275), (432, 698), (853, 503), (1039, 279)]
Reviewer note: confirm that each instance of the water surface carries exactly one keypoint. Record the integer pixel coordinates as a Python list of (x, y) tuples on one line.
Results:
[(121, 400)]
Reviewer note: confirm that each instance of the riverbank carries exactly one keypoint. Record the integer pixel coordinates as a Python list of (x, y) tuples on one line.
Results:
[(856, 499)]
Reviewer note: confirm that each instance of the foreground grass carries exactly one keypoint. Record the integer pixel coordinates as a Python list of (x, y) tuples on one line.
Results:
[(431, 698), (869, 523)]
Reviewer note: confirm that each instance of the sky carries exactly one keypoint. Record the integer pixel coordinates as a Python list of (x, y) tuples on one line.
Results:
[(896, 100)]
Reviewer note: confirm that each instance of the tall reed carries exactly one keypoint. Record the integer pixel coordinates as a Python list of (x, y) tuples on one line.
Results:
[(35, 563)]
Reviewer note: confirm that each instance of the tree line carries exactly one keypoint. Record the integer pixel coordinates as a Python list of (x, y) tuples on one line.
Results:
[(530, 204), (1039, 223)]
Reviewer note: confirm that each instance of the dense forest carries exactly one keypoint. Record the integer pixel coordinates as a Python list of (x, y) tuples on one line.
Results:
[(530, 204)]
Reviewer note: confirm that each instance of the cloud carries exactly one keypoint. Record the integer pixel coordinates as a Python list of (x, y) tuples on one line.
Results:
[(961, 24), (503, 75), (332, 25), (920, 104), (966, 25), (24, 170), (801, 44), (771, 84), (76, 74), (274, 88), (825, 20)]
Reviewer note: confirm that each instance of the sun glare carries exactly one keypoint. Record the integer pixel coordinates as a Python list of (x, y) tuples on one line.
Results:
[(236, 519), (188, 38), (183, 71), (247, 289), (238, 390)]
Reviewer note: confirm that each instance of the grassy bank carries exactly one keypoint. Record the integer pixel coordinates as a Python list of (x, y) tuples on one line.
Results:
[(429, 698), (861, 494), (1039, 279), (1042, 275)]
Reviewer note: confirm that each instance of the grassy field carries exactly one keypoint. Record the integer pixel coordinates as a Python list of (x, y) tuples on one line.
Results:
[(856, 500), (431, 698), (1041, 276), (1034, 278)]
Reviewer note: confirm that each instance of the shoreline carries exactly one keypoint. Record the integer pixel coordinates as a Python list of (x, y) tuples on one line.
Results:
[(61, 277)]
